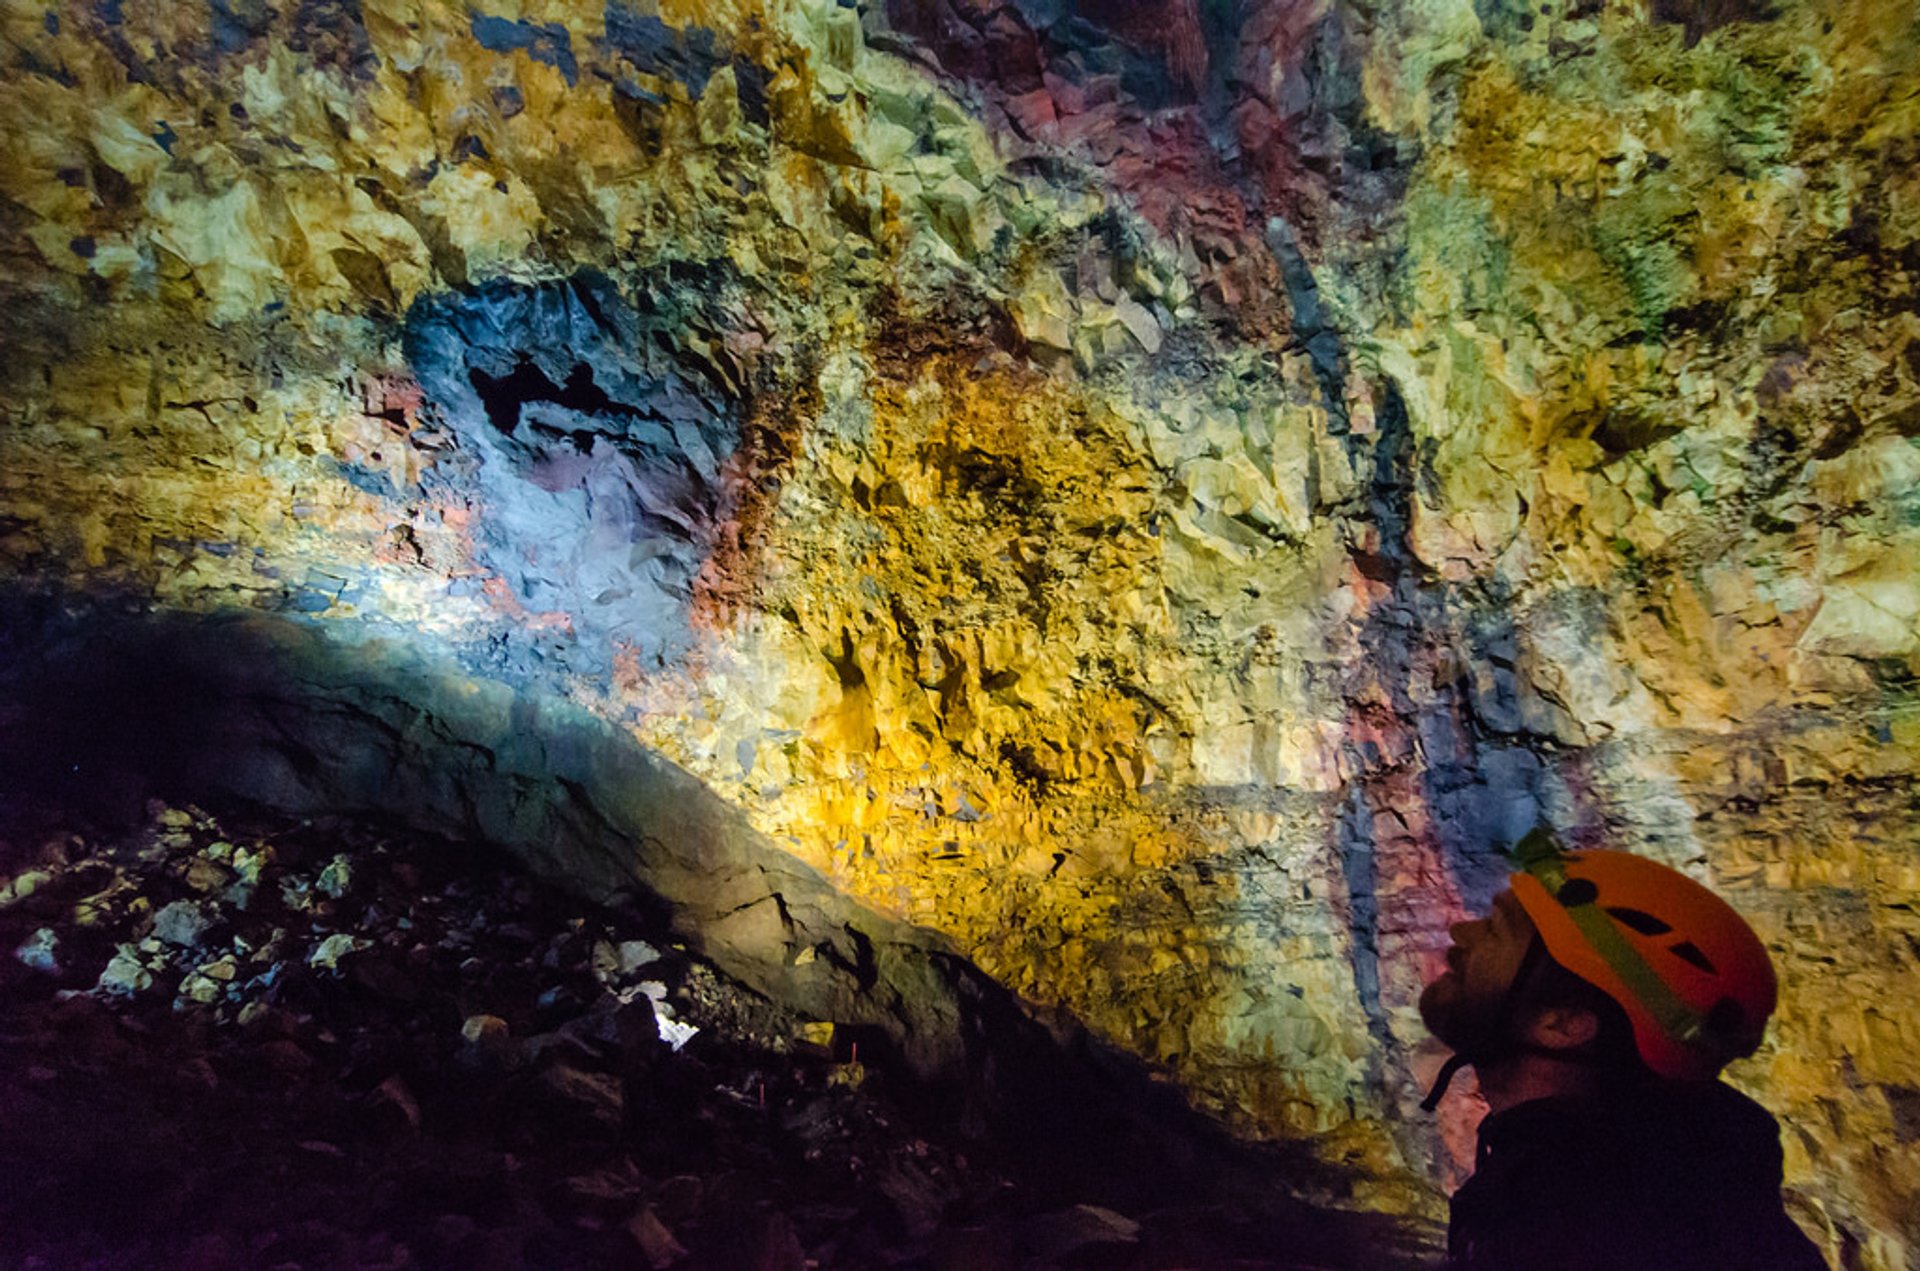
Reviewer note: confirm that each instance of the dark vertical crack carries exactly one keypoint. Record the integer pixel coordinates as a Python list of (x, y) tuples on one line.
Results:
[(1310, 328), (1360, 871)]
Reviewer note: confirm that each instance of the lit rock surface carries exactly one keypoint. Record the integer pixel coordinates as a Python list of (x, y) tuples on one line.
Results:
[(1157, 493)]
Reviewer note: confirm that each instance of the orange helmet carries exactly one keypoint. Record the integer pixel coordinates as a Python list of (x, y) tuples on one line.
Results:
[(1693, 978)]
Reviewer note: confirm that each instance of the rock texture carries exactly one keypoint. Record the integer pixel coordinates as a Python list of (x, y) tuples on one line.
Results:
[(1159, 494)]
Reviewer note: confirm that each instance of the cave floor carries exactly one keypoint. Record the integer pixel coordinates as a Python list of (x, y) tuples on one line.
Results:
[(255, 1042)]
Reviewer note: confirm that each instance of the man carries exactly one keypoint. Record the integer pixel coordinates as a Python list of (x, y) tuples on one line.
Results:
[(1597, 1003)]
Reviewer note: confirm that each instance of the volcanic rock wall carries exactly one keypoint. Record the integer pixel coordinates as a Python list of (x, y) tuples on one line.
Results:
[(1159, 493)]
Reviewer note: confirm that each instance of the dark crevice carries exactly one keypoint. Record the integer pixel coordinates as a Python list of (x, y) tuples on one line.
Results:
[(1360, 872), (505, 395), (865, 972)]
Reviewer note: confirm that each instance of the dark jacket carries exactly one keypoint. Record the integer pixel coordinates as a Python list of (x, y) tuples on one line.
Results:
[(1662, 1177)]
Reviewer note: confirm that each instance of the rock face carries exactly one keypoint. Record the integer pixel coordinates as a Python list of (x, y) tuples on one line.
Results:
[(607, 471), (1160, 494)]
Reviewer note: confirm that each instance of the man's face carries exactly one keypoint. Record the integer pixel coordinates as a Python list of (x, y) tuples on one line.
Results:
[(1463, 1006)]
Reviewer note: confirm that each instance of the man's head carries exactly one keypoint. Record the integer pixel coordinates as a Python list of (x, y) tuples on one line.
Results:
[(1502, 992), (1468, 1006), (1604, 958)]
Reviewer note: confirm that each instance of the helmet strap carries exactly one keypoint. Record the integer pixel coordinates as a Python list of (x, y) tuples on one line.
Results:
[(1448, 1071)]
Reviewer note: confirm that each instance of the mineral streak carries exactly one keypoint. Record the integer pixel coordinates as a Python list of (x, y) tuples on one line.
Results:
[(1158, 493)]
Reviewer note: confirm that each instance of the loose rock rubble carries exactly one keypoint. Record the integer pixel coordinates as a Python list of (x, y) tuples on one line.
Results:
[(244, 1042)]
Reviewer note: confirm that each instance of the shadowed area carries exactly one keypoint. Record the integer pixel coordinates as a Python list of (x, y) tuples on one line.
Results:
[(246, 712)]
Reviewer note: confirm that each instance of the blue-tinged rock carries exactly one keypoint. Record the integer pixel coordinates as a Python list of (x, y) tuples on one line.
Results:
[(690, 56), (600, 457), (547, 42)]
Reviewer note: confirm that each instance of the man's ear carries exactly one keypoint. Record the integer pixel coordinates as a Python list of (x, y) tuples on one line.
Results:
[(1562, 1027)]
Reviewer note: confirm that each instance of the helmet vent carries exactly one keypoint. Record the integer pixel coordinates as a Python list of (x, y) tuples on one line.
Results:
[(1577, 891), (1691, 952), (1641, 921)]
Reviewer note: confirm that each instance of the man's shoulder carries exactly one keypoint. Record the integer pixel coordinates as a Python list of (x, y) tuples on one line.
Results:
[(1665, 1175), (1702, 1116)]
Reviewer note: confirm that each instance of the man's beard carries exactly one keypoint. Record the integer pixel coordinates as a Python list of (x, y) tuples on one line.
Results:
[(1464, 1025)]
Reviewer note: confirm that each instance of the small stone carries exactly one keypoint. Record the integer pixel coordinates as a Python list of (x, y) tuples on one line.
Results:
[(672, 1031), (612, 962), (560, 1000), (394, 1093), (484, 1030), (328, 952), (195, 987), (181, 923), (205, 875), (93, 910), (635, 954), (248, 864), (274, 947), (37, 951), (657, 1244), (222, 969), (124, 975), (336, 878), (22, 886)]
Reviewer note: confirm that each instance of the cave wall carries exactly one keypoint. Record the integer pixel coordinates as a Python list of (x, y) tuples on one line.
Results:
[(1159, 494)]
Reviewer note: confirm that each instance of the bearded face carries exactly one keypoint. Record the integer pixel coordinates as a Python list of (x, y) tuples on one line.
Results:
[(1466, 1005)]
